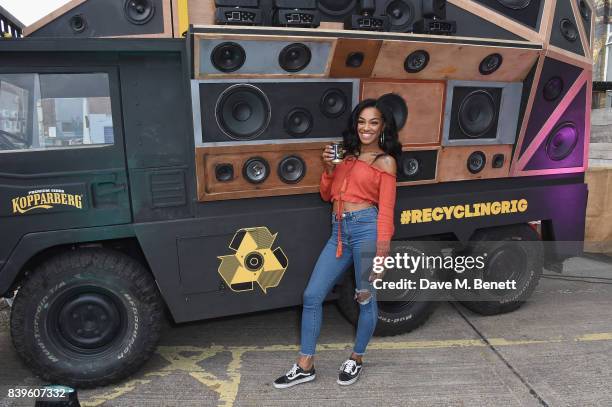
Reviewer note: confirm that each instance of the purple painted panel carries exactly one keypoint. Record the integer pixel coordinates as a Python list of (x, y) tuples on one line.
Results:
[(558, 144), (554, 72)]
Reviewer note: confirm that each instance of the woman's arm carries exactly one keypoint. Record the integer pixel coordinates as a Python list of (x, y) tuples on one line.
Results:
[(325, 186), (386, 204)]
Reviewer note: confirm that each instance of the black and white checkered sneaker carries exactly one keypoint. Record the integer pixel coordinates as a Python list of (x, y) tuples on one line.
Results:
[(349, 372), (295, 375)]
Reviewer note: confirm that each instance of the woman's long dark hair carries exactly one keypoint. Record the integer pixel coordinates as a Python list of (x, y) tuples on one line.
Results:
[(391, 144)]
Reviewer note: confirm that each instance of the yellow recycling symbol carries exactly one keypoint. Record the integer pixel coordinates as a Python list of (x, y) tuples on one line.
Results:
[(254, 260)]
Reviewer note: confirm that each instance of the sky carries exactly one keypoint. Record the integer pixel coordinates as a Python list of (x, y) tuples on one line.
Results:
[(29, 11)]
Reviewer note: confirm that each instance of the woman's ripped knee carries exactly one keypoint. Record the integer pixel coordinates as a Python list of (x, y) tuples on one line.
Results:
[(363, 297)]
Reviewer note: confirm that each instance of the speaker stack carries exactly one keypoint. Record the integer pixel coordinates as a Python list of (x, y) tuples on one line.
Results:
[(264, 109), (247, 56), (99, 18), (245, 171)]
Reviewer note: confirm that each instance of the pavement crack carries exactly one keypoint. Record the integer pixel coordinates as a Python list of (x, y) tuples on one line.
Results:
[(532, 391)]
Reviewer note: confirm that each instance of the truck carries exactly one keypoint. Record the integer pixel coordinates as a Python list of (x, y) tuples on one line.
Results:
[(144, 178)]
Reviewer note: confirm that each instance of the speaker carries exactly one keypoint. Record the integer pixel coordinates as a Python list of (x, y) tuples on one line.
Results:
[(402, 13), (456, 61), (354, 58), (424, 103), (435, 9), (336, 10), (258, 170), (474, 162), (100, 18), (480, 113), (586, 14), (235, 111), (555, 79), (561, 145), (564, 29), (417, 166), (527, 12), (239, 56)]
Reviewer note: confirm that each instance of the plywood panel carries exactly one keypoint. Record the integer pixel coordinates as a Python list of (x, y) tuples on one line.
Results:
[(425, 101), (344, 48), (452, 162), (208, 157), (453, 61)]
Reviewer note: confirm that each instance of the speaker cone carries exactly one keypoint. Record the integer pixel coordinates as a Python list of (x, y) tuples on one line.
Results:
[(228, 57), (397, 105), (78, 24), (355, 59), (553, 88), (562, 141), (416, 61), (400, 13), (253, 261), (568, 30), (294, 57), (476, 113), (243, 112), (298, 122), (337, 8), (514, 4), (333, 103), (410, 166), (256, 170), (139, 11), (224, 172), (291, 169), (490, 64), (476, 162), (498, 161)]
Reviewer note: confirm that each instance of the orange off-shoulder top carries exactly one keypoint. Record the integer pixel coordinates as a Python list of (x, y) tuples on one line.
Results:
[(356, 181)]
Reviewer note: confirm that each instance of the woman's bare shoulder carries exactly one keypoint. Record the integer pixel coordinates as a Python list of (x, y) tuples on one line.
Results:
[(386, 163)]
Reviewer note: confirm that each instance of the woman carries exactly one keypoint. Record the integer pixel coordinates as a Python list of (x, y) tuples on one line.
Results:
[(365, 178)]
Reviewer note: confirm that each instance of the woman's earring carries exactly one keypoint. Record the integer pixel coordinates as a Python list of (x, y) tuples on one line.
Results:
[(382, 138)]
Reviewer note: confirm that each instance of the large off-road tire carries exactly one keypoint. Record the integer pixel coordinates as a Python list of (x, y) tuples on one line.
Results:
[(514, 252), (402, 315), (87, 318)]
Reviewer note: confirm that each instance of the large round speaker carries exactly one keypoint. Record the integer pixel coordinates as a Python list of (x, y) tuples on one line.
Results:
[(294, 57), (333, 103), (256, 170), (410, 167), (397, 105), (291, 169), (337, 8), (562, 141), (298, 122), (490, 64), (568, 30), (416, 61), (243, 112), (476, 162), (401, 14), (78, 23), (476, 113), (139, 11), (228, 57), (553, 88), (514, 4)]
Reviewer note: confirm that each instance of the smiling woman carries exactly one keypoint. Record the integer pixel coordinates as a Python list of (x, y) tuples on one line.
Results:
[(362, 189)]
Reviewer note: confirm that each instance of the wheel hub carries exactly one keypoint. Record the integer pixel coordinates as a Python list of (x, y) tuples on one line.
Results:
[(89, 320)]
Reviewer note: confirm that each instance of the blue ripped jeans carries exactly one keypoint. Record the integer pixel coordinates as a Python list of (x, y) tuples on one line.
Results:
[(358, 248)]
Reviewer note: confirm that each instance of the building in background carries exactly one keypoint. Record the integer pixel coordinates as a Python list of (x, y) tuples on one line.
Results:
[(9, 25)]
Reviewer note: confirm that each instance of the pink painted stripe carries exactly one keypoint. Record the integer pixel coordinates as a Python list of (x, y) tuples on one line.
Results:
[(552, 120), (549, 171), (587, 122)]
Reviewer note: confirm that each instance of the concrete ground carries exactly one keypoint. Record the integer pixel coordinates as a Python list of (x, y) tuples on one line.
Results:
[(554, 351)]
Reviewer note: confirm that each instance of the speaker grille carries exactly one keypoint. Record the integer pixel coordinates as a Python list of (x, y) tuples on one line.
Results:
[(243, 112), (228, 57), (291, 169), (139, 11), (417, 166)]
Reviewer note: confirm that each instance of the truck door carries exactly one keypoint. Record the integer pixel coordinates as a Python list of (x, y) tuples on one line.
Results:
[(62, 160)]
